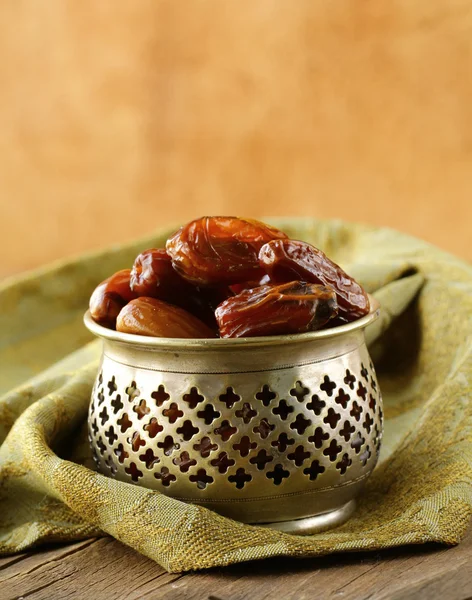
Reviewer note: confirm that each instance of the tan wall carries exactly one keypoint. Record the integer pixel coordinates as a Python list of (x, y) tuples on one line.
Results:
[(119, 117)]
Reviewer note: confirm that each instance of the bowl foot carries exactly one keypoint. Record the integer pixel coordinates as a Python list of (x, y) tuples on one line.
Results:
[(317, 523)]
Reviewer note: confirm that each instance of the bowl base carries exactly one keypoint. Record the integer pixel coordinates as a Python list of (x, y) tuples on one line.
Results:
[(317, 523)]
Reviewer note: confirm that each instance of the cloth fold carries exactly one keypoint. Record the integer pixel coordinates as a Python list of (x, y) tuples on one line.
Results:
[(421, 490)]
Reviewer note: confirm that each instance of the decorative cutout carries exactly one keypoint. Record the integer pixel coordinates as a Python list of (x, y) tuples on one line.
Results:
[(316, 405), (343, 464), (300, 424), (111, 465), (347, 430), (133, 470), (148, 458), (193, 398), (299, 391), (230, 397), (187, 430), (124, 422), (361, 391), (208, 414), (184, 462), (244, 446), (173, 412), (262, 459), (165, 477), (283, 410), (101, 446), (357, 443), (368, 422), (94, 427), (121, 453), (364, 457), (168, 445), (372, 403), (318, 437), (349, 379), (266, 395), (132, 391), (205, 447), (282, 442), (356, 411), (223, 462), (201, 479), (225, 430), (142, 409), (112, 387), (240, 478), (332, 418), (264, 428), (364, 372), (299, 455), (246, 413), (153, 427), (314, 470), (332, 450), (111, 435), (278, 474), (136, 441), (117, 404), (100, 396), (342, 398), (103, 416), (160, 396), (328, 386)]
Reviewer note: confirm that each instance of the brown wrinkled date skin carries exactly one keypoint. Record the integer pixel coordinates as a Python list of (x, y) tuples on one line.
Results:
[(110, 296), (156, 318), (220, 250), (285, 260), (294, 307)]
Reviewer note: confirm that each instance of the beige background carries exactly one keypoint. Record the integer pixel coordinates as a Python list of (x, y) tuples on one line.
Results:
[(120, 117)]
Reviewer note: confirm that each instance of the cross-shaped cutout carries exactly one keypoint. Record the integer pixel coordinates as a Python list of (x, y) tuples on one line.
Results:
[(373, 383), (328, 386), (261, 459), (244, 446), (299, 455), (100, 396), (160, 396), (103, 416), (193, 398), (332, 418), (205, 447), (187, 430), (142, 409), (264, 428), (111, 385), (111, 465), (282, 442), (184, 462), (124, 422), (300, 424), (121, 453), (361, 391), (372, 403), (364, 372), (357, 443), (225, 430), (94, 426), (117, 404), (168, 445), (332, 450), (246, 413), (136, 441), (223, 462), (356, 411), (153, 427), (344, 463), (266, 395), (347, 430), (314, 470), (148, 458), (132, 391), (316, 405), (283, 410), (278, 474), (229, 397), (165, 477), (349, 379), (209, 414), (318, 437), (173, 412), (111, 435), (364, 457), (100, 378), (101, 446), (201, 479), (299, 391), (342, 398), (240, 478), (133, 470), (368, 422)]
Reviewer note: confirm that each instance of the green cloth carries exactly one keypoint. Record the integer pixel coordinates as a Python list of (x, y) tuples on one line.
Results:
[(420, 492)]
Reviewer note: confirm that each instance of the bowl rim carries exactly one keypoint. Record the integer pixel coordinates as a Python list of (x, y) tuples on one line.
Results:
[(227, 343)]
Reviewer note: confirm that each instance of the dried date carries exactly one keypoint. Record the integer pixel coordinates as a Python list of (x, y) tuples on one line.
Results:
[(220, 250), (285, 260), (156, 318), (294, 307), (109, 297), (153, 275)]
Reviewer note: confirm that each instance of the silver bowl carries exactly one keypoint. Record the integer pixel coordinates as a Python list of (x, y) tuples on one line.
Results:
[(280, 430)]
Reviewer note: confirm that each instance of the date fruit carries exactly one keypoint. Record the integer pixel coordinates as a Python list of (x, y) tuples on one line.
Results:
[(109, 297), (285, 260), (220, 250), (294, 307), (153, 275), (156, 318)]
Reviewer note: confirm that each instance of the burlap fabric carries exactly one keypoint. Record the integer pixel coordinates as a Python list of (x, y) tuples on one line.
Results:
[(421, 490)]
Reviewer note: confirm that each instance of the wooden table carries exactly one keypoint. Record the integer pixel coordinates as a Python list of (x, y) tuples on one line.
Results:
[(106, 569)]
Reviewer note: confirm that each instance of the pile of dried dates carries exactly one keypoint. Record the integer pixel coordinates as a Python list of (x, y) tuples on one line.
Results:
[(228, 277)]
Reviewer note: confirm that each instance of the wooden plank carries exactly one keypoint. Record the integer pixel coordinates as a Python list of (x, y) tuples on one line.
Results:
[(106, 569)]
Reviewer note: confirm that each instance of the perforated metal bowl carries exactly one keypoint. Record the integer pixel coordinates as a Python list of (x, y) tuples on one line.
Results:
[(279, 430)]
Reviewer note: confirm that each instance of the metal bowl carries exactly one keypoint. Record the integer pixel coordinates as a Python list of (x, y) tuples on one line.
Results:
[(280, 430)]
